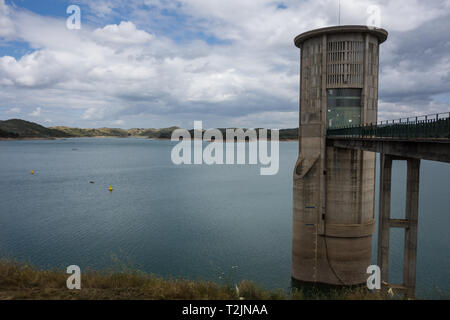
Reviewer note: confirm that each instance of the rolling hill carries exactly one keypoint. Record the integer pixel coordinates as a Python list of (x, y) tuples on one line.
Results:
[(164, 133), (21, 129), (16, 128), (101, 132)]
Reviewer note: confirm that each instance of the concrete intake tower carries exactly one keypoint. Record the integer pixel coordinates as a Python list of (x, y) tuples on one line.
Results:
[(334, 189)]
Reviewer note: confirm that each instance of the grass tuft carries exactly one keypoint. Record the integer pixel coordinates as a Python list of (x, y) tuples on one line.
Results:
[(22, 281)]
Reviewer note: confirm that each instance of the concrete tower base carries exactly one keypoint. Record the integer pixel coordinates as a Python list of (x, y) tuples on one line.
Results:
[(334, 189), (336, 248)]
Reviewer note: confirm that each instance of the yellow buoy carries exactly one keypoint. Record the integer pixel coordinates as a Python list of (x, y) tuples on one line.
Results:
[(110, 188), (32, 171)]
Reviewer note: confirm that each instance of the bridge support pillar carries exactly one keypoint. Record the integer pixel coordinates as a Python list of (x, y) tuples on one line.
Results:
[(412, 215), (410, 223), (384, 215)]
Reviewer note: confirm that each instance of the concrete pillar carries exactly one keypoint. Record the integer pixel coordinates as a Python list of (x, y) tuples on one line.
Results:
[(384, 215), (385, 223), (412, 213)]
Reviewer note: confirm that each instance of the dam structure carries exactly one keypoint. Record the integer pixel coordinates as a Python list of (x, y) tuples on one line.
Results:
[(334, 177), (334, 188)]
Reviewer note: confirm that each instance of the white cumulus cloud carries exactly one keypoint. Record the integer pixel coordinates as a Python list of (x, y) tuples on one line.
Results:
[(154, 63), (36, 112)]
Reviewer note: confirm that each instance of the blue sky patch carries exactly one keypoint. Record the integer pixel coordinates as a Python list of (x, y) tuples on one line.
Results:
[(53, 8), (14, 49)]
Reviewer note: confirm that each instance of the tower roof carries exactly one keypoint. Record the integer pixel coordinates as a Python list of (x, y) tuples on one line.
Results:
[(381, 34)]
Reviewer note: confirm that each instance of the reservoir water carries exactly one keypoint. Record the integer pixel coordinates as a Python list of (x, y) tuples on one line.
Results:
[(222, 223)]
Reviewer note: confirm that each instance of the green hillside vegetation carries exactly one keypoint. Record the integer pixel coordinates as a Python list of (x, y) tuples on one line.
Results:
[(284, 134), (6, 134), (16, 128), (164, 133), (289, 134), (101, 132)]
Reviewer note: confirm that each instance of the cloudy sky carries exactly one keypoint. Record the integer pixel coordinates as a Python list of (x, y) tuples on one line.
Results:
[(157, 63)]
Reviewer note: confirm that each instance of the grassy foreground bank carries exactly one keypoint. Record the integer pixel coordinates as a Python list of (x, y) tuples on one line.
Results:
[(21, 281)]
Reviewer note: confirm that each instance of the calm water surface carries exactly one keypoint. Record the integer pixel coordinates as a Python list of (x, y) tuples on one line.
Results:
[(221, 223)]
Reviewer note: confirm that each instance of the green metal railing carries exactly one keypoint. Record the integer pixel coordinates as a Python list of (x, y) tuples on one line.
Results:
[(435, 126)]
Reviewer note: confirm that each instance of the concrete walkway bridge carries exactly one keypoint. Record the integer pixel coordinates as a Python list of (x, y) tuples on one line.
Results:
[(410, 139)]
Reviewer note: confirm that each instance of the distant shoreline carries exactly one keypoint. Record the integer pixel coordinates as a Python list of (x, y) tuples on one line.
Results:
[(27, 139), (17, 129), (119, 137)]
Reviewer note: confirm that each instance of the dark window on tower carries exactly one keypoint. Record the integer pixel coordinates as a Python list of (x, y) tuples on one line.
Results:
[(344, 107)]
